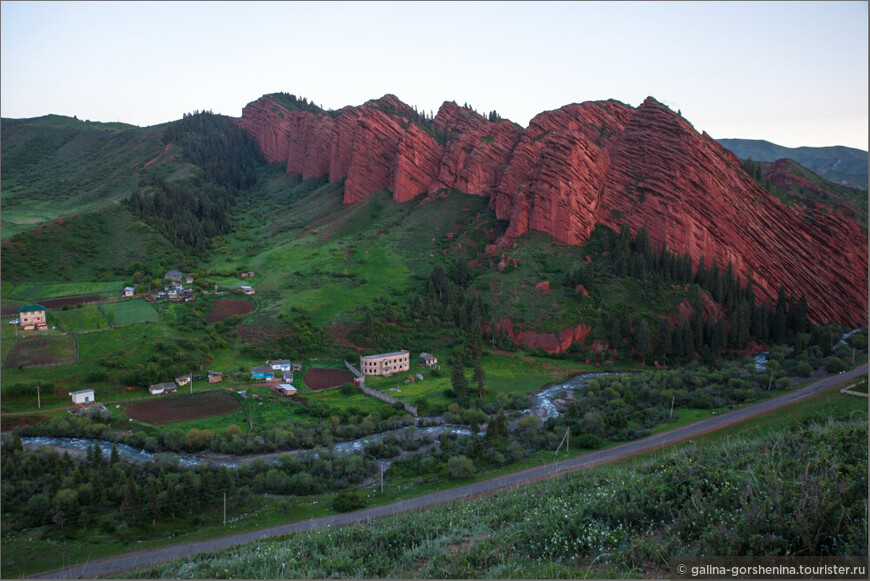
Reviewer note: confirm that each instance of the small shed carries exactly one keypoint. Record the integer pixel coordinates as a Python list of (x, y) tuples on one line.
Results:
[(428, 359), (247, 290), (183, 380), (284, 389), (129, 291), (215, 376), (82, 396)]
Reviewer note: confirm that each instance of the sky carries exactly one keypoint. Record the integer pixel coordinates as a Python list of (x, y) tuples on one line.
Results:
[(793, 73)]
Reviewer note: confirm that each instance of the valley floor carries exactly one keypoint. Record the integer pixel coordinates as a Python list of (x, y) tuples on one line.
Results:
[(644, 446)]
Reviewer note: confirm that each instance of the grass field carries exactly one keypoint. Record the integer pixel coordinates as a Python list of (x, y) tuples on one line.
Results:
[(39, 291), (128, 312), (86, 318)]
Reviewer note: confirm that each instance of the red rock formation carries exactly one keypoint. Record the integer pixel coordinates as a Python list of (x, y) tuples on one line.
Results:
[(575, 167), (549, 342)]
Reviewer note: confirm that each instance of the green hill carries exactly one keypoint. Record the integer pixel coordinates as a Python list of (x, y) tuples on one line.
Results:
[(842, 165)]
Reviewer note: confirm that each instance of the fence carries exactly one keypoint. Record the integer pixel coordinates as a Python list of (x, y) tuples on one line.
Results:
[(354, 370), (390, 400)]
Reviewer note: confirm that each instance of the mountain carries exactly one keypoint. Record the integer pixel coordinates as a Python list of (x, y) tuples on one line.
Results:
[(574, 168), (843, 165)]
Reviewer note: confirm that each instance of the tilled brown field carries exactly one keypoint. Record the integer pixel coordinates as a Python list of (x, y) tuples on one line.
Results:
[(168, 409), (225, 308), (319, 378), (41, 351)]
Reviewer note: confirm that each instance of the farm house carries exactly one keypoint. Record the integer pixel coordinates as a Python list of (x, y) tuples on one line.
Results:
[(262, 372), (159, 388), (82, 396), (32, 317), (281, 364), (129, 291)]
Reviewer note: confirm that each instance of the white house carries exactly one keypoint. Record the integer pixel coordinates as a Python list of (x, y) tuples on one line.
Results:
[(247, 290), (82, 396), (282, 364)]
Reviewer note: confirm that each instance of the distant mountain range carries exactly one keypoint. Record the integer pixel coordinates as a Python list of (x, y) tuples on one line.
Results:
[(843, 165)]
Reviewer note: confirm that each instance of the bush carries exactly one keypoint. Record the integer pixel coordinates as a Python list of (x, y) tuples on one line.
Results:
[(460, 468), (348, 389), (348, 501), (835, 365)]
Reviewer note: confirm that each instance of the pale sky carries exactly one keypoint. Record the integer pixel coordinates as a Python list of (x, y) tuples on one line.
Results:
[(793, 73)]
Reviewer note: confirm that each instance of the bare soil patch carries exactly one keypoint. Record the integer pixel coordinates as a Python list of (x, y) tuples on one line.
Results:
[(169, 409), (225, 308), (319, 378)]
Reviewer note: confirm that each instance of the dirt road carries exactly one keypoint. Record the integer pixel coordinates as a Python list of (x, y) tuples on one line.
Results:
[(522, 478)]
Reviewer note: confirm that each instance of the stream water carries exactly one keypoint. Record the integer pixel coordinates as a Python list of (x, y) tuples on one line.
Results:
[(542, 406)]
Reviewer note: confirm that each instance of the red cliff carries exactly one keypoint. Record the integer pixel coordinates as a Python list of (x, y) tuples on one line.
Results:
[(577, 166)]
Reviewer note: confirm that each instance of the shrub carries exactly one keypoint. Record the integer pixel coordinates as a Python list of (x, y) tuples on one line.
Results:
[(460, 468), (348, 501)]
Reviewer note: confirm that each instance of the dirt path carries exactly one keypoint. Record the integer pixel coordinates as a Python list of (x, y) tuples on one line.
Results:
[(508, 481)]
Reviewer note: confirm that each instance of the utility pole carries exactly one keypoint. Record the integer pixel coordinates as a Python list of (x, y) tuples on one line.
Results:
[(38, 401), (382, 477), (771, 381), (191, 383), (673, 397), (564, 441), (225, 507)]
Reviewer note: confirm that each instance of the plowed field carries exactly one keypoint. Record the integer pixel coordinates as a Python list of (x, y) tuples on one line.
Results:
[(168, 409), (319, 378), (225, 308)]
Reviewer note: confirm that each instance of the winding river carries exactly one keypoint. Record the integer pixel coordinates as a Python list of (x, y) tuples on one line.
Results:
[(542, 406)]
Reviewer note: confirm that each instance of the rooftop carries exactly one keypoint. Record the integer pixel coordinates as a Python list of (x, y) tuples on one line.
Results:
[(378, 356), (31, 309)]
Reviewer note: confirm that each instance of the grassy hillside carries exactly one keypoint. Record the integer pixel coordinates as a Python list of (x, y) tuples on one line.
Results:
[(842, 165), (54, 166), (95, 246)]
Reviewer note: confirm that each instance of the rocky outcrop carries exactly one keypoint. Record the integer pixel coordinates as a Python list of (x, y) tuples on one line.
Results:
[(578, 166), (549, 342)]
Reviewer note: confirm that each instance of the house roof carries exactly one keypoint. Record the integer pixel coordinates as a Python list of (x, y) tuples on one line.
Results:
[(173, 274), (163, 385), (81, 392), (279, 362), (31, 309), (286, 387), (130, 288), (261, 369), (379, 355), (214, 372)]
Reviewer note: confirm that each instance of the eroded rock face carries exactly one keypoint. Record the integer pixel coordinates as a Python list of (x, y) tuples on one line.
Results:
[(577, 166)]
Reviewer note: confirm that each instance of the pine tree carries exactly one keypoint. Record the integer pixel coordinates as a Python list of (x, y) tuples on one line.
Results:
[(479, 377), (457, 378)]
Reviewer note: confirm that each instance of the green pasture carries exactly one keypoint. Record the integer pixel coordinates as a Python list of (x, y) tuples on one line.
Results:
[(44, 291), (86, 318), (128, 312)]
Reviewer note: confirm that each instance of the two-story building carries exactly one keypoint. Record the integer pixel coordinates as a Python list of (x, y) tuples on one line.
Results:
[(385, 363), (32, 317)]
